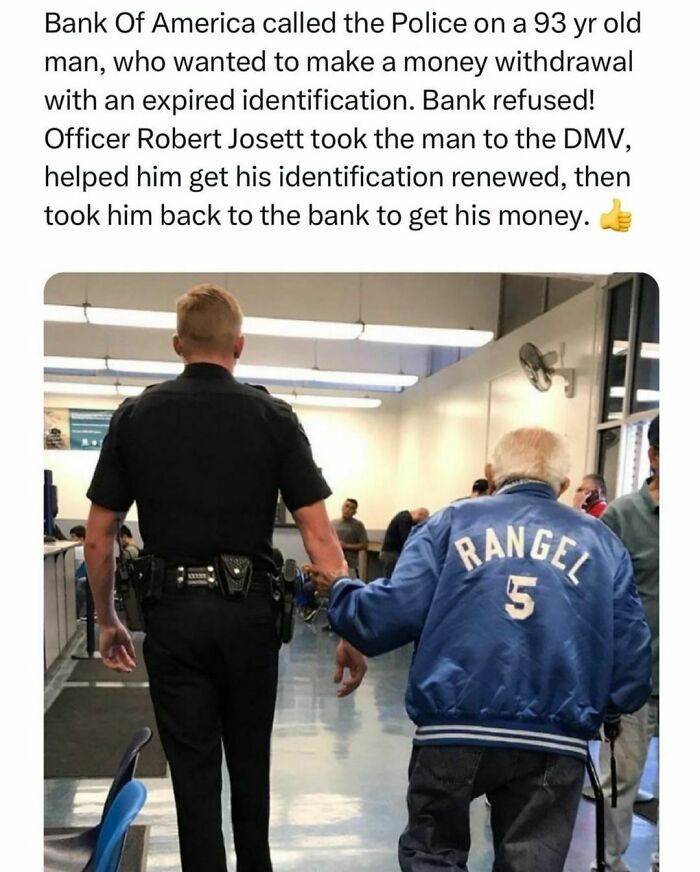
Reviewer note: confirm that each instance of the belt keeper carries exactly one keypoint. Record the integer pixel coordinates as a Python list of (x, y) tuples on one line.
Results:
[(211, 578), (180, 579)]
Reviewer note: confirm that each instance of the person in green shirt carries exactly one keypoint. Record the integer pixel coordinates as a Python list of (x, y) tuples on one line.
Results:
[(635, 519)]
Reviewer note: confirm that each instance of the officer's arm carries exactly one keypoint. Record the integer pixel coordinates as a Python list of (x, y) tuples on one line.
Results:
[(319, 536), (631, 678), (322, 546), (389, 612), (116, 647)]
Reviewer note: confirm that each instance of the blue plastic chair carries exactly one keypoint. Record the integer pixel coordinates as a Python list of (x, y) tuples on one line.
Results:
[(123, 810), (72, 852)]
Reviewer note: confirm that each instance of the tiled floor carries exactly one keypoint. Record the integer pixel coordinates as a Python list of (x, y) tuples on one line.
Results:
[(338, 776)]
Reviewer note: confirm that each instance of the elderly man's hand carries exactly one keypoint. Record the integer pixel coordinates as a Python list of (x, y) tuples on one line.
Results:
[(324, 579), (347, 657)]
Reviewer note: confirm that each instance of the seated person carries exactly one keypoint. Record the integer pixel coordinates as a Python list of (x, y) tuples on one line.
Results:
[(130, 549), (77, 534)]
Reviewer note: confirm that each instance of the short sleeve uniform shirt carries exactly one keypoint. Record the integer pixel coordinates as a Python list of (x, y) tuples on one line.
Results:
[(204, 458)]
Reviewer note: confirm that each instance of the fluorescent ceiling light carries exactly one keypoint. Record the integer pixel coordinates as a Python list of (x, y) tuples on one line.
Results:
[(87, 364), (66, 314), (336, 377), (130, 318), (110, 390), (282, 327), (243, 371), (300, 329), (426, 336), (110, 317), (145, 367), (330, 402), (88, 388), (167, 321), (92, 389)]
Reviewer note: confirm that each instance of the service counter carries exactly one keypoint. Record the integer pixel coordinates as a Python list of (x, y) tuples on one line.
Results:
[(370, 567), (60, 621)]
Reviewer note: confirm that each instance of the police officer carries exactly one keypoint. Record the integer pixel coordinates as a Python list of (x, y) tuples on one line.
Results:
[(204, 457), (528, 632)]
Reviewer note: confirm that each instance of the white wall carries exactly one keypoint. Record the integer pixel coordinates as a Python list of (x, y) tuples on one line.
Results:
[(450, 422), (357, 453)]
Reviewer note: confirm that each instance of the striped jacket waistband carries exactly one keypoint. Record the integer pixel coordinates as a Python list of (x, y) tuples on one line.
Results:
[(533, 740)]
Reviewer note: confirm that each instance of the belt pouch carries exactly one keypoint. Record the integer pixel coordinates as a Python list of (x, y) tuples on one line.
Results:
[(149, 578), (235, 576)]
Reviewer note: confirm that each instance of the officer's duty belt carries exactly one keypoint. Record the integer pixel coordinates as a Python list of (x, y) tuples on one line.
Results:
[(205, 577)]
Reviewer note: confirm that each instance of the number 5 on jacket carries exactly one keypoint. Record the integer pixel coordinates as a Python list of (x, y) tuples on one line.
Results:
[(522, 604)]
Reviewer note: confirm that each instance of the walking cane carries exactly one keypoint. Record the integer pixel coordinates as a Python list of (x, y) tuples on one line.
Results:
[(611, 730), (599, 814)]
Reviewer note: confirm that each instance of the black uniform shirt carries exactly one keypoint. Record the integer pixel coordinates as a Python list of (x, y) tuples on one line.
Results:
[(204, 458), (397, 532)]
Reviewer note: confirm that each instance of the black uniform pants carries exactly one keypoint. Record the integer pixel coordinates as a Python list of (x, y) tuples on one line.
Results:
[(534, 797), (212, 669)]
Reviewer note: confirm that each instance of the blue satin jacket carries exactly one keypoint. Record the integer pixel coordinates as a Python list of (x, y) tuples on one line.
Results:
[(526, 622)]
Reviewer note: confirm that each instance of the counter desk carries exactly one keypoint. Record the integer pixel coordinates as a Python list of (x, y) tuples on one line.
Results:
[(60, 619)]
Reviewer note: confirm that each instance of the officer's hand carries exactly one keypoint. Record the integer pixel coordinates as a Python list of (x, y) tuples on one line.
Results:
[(116, 648), (323, 579), (611, 729), (347, 657)]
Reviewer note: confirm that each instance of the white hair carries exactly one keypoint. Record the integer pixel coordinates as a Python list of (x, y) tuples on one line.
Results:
[(531, 453)]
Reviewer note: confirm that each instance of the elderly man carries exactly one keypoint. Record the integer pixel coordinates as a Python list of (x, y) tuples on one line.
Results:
[(528, 632)]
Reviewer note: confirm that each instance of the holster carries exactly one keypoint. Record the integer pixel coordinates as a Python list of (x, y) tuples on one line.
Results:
[(284, 591), (139, 583)]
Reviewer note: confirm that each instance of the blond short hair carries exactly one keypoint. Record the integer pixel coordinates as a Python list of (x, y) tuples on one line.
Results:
[(208, 318), (531, 452)]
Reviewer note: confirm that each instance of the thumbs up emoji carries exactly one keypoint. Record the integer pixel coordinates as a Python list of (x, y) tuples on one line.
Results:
[(616, 219)]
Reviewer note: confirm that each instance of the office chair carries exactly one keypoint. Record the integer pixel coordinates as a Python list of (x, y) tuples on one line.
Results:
[(71, 852), (110, 843)]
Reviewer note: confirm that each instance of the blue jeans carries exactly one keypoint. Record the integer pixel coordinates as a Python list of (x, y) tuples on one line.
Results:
[(534, 797)]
